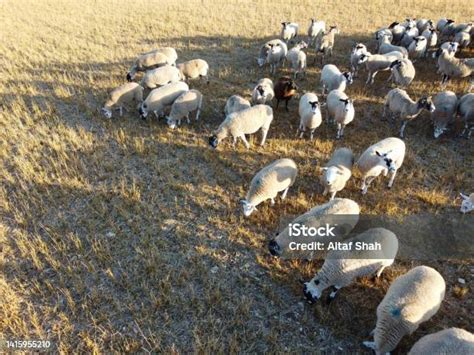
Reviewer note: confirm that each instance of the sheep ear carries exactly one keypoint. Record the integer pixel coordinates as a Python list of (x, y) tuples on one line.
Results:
[(465, 197), (378, 154)]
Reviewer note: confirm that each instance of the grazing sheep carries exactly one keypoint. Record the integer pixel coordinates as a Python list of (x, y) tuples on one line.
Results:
[(289, 30), (357, 51), (120, 96), (342, 267), (160, 76), (315, 31), (450, 66), (153, 59), (268, 182), (340, 109), (247, 121), (408, 36), (411, 299), (378, 62), (340, 211), (382, 157), (403, 72), (398, 102), (337, 171), (333, 79), (263, 92), (466, 112), (418, 47), (297, 58), (327, 43), (285, 89), (449, 341), (446, 105), (235, 103), (310, 114), (467, 204), (162, 97), (187, 102), (195, 68), (386, 47)]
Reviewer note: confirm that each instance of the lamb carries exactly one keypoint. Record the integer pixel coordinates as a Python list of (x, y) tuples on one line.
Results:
[(337, 171), (158, 99), (448, 341), (378, 62), (403, 72), (235, 103), (466, 112), (411, 299), (192, 69), (315, 31), (247, 121), (187, 102), (385, 156), (342, 267), (386, 47), (310, 114), (268, 182), (297, 58), (153, 59), (357, 51), (289, 30), (398, 102), (263, 91), (418, 47), (120, 96), (160, 76), (446, 105), (327, 43), (333, 79), (341, 212), (467, 204), (341, 109), (285, 89), (450, 66)]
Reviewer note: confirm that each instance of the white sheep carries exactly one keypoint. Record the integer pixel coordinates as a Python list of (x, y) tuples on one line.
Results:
[(442, 23), (342, 267), (247, 121), (195, 68), (383, 157), (119, 97), (356, 52), (450, 66), (386, 46), (403, 72), (467, 204), (397, 31), (337, 171), (333, 79), (289, 30), (158, 99), (160, 76), (276, 55), (466, 112), (400, 104), (342, 212), (423, 24), (380, 33), (326, 45), (448, 341), (463, 38), (186, 103), (235, 103), (267, 183), (408, 36), (340, 109), (310, 114), (418, 47), (152, 59), (411, 299), (378, 62), (297, 58), (263, 92), (431, 37), (315, 31), (445, 111)]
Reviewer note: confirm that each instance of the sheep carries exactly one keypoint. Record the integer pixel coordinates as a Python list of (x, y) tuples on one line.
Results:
[(160, 76), (342, 267), (337, 172), (289, 30), (383, 157), (379, 34), (247, 121), (397, 30), (467, 204), (357, 51), (408, 36), (158, 99), (424, 24), (310, 114), (378, 62), (450, 66), (297, 58), (342, 212), (285, 89), (195, 68), (235, 103), (448, 30), (447, 341), (418, 47), (446, 105), (398, 102), (466, 112), (411, 299), (120, 96), (463, 27), (263, 92), (274, 53), (463, 38), (386, 47), (431, 37), (315, 31), (333, 79), (442, 23), (267, 183), (403, 72), (153, 59), (340, 109), (327, 43), (187, 102)]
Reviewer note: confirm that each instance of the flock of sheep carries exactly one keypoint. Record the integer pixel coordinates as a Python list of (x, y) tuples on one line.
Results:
[(413, 297)]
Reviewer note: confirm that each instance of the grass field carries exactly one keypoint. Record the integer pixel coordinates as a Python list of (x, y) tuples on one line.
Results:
[(122, 235)]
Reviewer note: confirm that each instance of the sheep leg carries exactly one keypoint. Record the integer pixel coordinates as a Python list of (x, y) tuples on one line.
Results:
[(121, 111), (369, 344), (198, 112), (278, 103), (187, 119), (366, 183), (283, 195), (402, 128), (333, 195), (247, 145), (379, 272), (311, 134), (234, 141), (392, 178), (338, 134), (264, 136), (272, 201), (286, 105)]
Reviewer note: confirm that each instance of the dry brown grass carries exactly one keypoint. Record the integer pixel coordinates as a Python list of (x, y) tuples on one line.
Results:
[(123, 235)]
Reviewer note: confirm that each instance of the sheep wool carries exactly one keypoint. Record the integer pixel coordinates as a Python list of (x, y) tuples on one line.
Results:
[(337, 171), (124, 94), (235, 103), (187, 102), (378, 62), (403, 72), (162, 97), (466, 112), (445, 109), (333, 79), (192, 69), (310, 114), (160, 76), (152, 59), (449, 341), (263, 92)]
